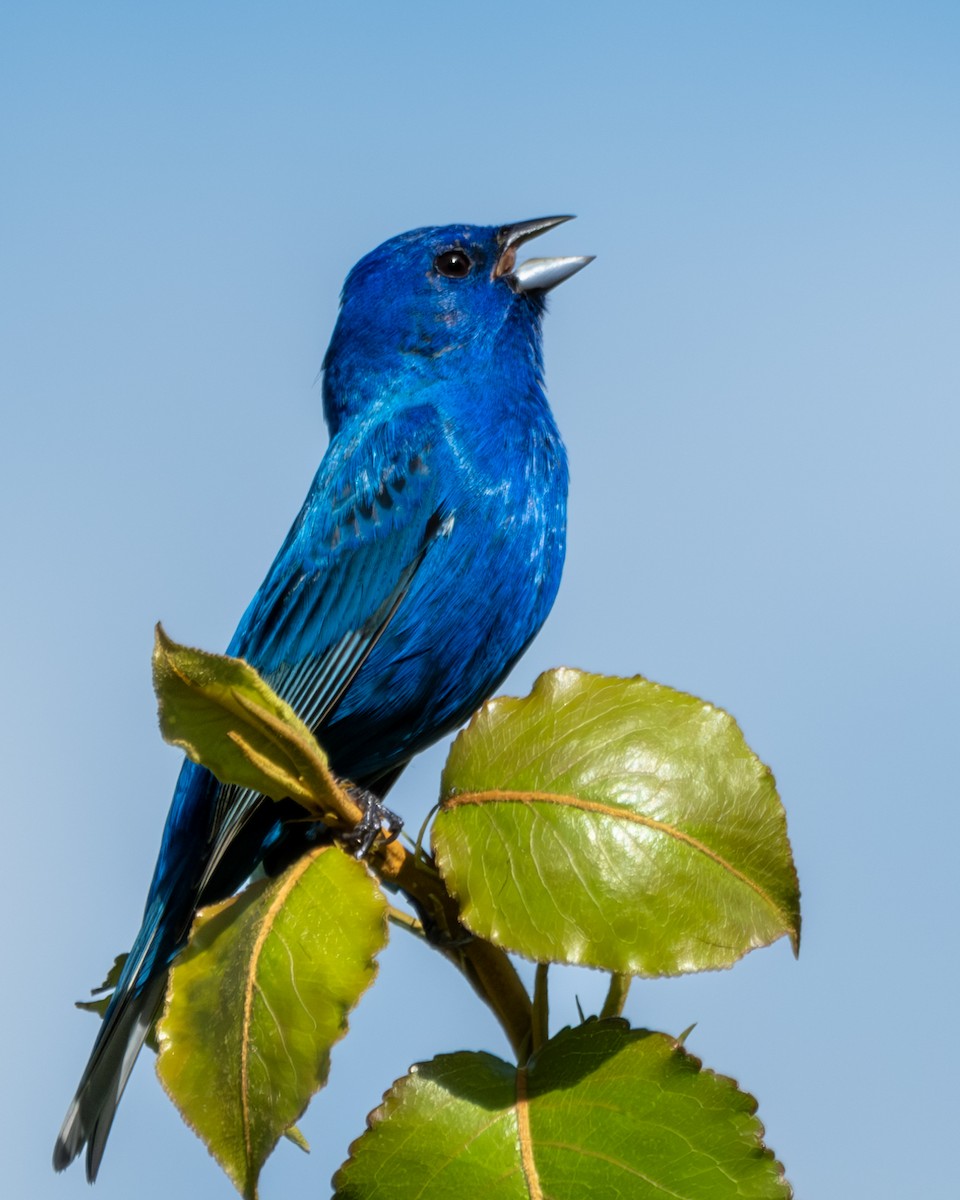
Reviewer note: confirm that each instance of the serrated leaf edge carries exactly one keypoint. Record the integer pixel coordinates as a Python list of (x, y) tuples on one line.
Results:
[(393, 1097)]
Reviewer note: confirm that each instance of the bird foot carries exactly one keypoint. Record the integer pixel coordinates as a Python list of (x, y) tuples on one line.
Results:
[(361, 838)]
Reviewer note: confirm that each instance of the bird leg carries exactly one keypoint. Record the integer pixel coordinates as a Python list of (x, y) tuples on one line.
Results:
[(361, 837)]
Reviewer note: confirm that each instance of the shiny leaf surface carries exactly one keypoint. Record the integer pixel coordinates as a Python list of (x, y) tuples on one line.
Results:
[(259, 997), (601, 1111), (221, 713), (615, 823)]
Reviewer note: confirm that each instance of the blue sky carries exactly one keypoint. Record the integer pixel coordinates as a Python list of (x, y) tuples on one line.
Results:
[(757, 381)]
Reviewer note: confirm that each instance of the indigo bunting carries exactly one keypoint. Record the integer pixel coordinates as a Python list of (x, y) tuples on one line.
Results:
[(425, 557)]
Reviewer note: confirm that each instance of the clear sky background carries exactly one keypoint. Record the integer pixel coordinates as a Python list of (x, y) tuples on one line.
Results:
[(757, 381)]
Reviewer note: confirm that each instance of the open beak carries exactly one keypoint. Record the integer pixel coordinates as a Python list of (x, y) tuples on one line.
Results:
[(536, 274)]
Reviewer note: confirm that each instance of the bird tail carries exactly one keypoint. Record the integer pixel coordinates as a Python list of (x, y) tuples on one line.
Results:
[(92, 1109), (126, 1023), (175, 894)]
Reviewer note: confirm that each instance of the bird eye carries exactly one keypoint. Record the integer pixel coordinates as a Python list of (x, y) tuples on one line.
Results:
[(455, 264)]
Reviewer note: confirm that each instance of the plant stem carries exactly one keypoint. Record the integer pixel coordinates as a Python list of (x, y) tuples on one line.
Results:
[(405, 921), (495, 980), (541, 1009), (487, 968), (616, 996)]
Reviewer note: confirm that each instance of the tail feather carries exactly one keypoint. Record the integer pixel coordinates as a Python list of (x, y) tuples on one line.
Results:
[(179, 886), (92, 1110)]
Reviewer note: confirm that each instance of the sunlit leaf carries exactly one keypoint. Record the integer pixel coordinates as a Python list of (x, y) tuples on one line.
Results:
[(260, 996), (601, 1111), (224, 716), (295, 1135), (615, 823)]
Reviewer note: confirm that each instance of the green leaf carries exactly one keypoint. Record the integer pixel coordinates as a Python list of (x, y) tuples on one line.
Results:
[(295, 1135), (103, 993), (601, 1111), (221, 713), (259, 997), (615, 823)]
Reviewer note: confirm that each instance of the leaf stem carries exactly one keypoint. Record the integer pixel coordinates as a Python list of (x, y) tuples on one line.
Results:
[(398, 917), (540, 1029), (616, 995)]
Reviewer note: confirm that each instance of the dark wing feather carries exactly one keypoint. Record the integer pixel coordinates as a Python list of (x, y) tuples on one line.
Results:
[(343, 571)]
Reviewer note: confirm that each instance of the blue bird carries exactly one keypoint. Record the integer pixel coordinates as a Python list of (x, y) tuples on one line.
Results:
[(426, 556)]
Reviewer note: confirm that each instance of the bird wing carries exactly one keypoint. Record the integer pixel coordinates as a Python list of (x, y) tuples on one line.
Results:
[(374, 510)]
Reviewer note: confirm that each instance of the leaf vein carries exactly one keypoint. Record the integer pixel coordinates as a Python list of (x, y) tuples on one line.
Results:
[(266, 926), (494, 796)]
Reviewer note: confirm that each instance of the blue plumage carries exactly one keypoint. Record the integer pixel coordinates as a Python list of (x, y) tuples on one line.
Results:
[(426, 556)]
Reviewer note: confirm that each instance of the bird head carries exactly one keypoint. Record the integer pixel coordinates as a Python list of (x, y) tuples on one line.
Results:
[(438, 301)]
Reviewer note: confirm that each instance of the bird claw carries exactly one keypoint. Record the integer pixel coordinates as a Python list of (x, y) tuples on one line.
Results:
[(360, 839)]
